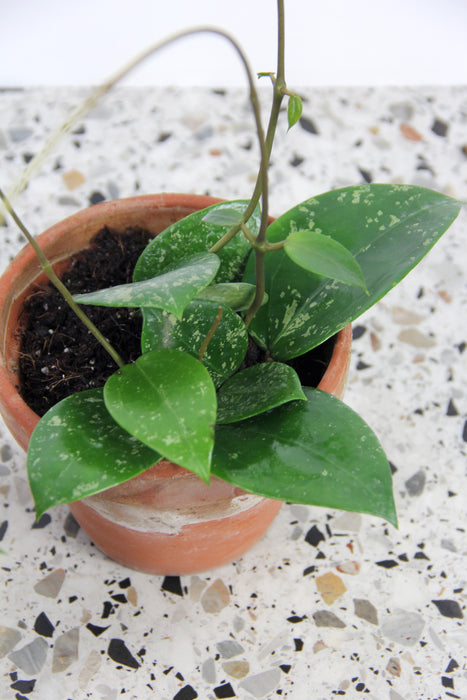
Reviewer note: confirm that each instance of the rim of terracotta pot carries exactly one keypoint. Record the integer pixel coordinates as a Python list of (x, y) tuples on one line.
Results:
[(154, 212)]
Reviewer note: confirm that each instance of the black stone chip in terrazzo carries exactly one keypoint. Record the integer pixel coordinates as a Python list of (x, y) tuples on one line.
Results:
[(119, 598), (43, 521), (296, 161), (108, 609), (224, 691), (71, 526), (449, 608), (285, 667), (43, 626), (24, 686), (186, 693), (298, 643), (309, 570), (420, 555), (451, 667), (464, 432), (96, 197), (392, 467), (3, 529), (124, 583), (357, 332), (387, 563), (362, 365), (119, 652), (308, 125), (367, 177), (164, 136), (314, 536), (439, 128), (296, 618), (96, 629), (451, 409), (172, 584), (447, 682)]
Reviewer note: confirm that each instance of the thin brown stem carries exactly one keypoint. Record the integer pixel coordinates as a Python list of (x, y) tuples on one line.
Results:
[(49, 271), (208, 338)]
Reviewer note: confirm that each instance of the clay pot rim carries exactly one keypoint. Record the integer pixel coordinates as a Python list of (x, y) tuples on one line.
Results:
[(96, 216)]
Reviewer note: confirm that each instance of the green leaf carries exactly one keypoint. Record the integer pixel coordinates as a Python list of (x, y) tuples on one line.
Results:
[(193, 235), (167, 400), (77, 449), (387, 228), (294, 110), (257, 389), (317, 452), (171, 290), (237, 295), (324, 256), (225, 216), (226, 349)]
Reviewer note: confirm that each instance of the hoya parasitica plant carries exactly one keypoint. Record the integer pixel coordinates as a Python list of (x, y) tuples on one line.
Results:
[(208, 286)]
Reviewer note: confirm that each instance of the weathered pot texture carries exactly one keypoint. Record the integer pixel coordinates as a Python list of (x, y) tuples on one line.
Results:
[(166, 520)]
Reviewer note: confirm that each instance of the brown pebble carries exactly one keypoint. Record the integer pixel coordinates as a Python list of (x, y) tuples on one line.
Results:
[(236, 669), (409, 133), (375, 341), (73, 179), (349, 567), (331, 587), (216, 597), (394, 667)]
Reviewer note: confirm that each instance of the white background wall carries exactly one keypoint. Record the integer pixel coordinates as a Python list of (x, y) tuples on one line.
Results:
[(330, 42)]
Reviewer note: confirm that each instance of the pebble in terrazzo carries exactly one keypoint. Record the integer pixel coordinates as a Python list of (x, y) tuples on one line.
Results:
[(329, 604)]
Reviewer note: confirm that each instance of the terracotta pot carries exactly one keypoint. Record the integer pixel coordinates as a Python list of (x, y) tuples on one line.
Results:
[(165, 521)]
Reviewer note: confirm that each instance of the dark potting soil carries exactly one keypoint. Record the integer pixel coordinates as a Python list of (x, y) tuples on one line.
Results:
[(59, 356)]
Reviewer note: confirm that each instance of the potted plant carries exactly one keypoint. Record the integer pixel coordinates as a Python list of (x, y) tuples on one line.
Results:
[(181, 460)]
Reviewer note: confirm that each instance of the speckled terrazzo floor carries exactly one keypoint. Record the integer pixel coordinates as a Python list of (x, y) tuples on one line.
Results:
[(328, 604)]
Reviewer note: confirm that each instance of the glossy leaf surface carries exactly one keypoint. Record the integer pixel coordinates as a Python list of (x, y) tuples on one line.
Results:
[(171, 290), (77, 449), (324, 256), (226, 349), (192, 235), (237, 295), (317, 452), (167, 400), (257, 389), (388, 228), (223, 216)]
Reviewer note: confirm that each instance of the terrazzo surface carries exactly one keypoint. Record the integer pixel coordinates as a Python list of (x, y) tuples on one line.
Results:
[(328, 604)]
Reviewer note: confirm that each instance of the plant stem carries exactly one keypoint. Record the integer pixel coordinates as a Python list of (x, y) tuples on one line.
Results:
[(212, 330), (49, 271), (279, 88), (85, 107)]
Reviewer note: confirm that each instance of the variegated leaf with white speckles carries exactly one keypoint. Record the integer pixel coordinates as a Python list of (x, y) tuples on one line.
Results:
[(226, 349), (388, 229), (77, 449), (237, 295), (257, 389), (171, 290), (167, 400), (193, 235)]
